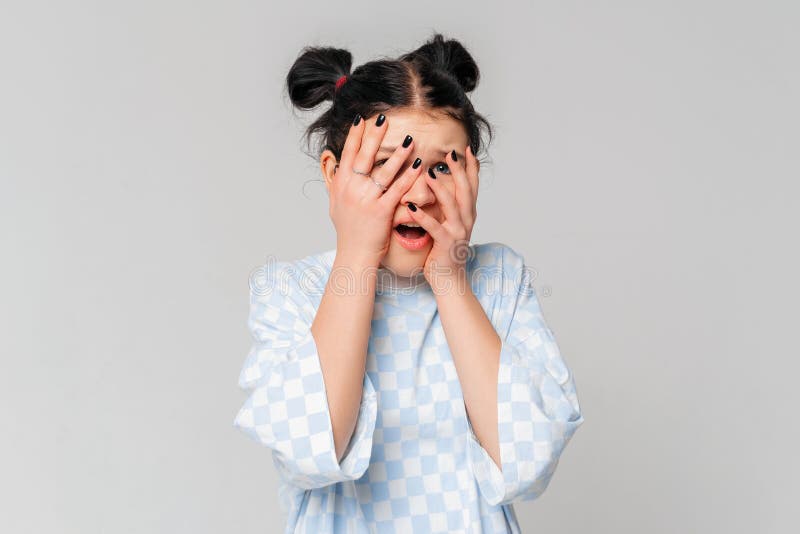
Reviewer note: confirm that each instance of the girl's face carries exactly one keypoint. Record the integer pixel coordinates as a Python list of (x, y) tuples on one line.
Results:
[(434, 136)]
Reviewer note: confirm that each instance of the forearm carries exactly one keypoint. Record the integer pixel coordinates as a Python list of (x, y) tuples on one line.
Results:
[(341, 331), (475, 347)]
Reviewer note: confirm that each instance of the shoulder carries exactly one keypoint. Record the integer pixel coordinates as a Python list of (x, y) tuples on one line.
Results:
[(496, 260), (301, 277), (502, 283)]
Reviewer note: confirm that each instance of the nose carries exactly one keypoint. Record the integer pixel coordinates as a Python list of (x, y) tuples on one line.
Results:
[(420, 192)]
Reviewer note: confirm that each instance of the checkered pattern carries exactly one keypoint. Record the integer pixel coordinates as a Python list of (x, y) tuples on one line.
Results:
[(414, 462)]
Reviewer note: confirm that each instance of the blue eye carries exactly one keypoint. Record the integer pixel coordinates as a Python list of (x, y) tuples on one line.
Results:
[(441, 167)]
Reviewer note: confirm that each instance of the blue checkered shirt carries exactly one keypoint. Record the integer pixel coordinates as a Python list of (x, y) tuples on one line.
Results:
[(414, 463)]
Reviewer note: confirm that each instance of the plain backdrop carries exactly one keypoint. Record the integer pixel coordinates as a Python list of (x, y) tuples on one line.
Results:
[(645, 164)]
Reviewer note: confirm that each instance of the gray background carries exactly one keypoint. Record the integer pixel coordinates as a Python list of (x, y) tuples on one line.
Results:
[(645, 164)]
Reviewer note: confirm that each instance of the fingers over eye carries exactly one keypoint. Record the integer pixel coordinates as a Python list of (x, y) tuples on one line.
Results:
[(463, 187), (371, 139), (387, 171), (446, 198), (399, 186), (473, 167)]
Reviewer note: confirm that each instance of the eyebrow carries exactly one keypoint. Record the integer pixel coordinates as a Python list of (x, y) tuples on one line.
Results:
[(460, 155)]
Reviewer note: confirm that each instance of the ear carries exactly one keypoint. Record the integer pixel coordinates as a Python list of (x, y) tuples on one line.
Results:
[(328, 166)]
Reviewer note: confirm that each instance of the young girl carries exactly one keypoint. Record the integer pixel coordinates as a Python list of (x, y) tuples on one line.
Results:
[(406, 380)]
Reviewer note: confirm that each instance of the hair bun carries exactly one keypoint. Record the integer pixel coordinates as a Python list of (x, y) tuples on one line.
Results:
[(450, 56), (312, 77)]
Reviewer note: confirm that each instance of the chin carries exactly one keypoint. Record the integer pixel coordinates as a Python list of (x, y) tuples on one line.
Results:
[(403, 262)]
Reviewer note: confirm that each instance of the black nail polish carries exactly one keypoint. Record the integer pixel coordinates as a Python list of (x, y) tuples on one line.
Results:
[(356, 119), (417, 163), (411, 206), (455, 158), (406, 141), (380, 119), (431, 173)]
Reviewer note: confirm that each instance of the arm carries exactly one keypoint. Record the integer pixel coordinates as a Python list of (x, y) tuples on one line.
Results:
[(287, 409), (475, 347), (520, 396), (341, 329)]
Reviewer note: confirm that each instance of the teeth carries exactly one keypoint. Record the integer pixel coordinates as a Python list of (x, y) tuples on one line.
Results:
[(413, 225)]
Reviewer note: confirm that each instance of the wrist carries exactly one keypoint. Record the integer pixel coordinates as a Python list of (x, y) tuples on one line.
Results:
[(358, 261), (357, 255), (451, 284), (354, 274)]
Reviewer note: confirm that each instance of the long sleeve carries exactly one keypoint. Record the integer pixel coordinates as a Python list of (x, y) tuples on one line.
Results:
[(287, 408), (538, 409)]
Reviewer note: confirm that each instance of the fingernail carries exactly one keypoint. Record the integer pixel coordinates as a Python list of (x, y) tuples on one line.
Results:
[(411, 206), (417, 163), (453, 154), (431, 173), (380, 119), (406, 141), (356, 119)]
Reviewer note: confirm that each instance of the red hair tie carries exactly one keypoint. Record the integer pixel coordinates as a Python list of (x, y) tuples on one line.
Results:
[(340, 81)]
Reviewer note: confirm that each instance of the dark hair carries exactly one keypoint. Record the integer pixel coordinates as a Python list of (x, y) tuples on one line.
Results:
[(436, 76)]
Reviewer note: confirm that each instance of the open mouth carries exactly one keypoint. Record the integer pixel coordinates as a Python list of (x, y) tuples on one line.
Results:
[(410, 232)]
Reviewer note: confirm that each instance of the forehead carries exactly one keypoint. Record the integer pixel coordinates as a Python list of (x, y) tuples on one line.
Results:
[(436, 131)]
